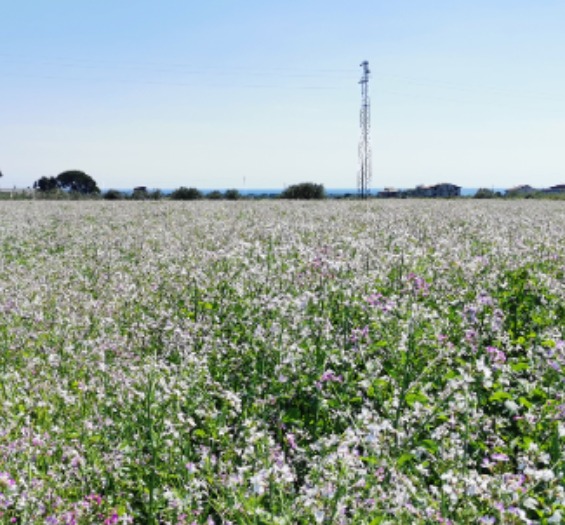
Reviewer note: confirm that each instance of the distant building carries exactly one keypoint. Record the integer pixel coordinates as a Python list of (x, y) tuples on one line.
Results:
[(421, 191), (443, 189), (388, 193), (523, 189), (446, 189), (558, 188)]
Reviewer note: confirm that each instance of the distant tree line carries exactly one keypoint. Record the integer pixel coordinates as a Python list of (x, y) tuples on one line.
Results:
[(78, 184), (303, 191), (180, 194)]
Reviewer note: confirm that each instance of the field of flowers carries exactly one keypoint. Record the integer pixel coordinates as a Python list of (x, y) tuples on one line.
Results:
[(282, 363)]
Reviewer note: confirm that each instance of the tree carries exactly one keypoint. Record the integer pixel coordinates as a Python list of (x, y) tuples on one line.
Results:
[(73, 181), (186, 194), (304, 190), (45, 184), (113, 195), (485, 193), (77, 181), (156, 195), (232, 195), (214, 195)]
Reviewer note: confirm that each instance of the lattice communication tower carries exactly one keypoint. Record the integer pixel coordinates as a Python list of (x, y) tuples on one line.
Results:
[(364, 175)]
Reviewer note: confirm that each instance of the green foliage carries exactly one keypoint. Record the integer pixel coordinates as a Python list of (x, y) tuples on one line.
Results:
[(523, 300), (214, 195), (232, 195), (186, 194), (485, 193), (46, 184), (77, 181), (155, 195), (304, 191), (112, 195), (72, 181)]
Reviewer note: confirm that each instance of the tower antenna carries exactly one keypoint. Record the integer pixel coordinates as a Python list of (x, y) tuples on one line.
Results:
[(364, 175)]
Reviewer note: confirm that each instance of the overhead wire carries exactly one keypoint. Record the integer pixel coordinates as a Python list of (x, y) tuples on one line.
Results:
[(271, 77)]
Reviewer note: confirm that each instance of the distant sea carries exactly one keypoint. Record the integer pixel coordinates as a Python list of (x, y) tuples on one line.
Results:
[(273, 192)]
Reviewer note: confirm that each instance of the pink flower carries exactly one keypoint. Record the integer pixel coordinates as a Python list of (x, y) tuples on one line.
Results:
[(113, 519)]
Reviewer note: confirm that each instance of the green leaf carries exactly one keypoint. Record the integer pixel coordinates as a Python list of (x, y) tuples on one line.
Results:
[(520, 366), (405, 458), (526, 442), (414, 397), (500, 395), (524, 402), (430, 445), (538, 394)]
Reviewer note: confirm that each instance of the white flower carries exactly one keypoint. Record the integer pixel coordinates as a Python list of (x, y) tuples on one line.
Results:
[(545, 475), (259, 482)]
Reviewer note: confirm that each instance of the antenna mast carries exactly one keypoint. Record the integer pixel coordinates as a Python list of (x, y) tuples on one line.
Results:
[(364, 175)]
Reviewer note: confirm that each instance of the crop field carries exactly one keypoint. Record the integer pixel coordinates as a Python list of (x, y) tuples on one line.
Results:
[(282, 362)]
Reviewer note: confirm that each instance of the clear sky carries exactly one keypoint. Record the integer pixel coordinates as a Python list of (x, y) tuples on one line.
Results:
[(263, 94)]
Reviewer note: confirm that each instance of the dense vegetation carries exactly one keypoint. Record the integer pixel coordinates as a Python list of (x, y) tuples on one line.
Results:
[(72, 181), (282, 362), (304, 191)]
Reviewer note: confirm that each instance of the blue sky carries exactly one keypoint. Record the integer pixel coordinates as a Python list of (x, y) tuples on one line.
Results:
[(256, 94)]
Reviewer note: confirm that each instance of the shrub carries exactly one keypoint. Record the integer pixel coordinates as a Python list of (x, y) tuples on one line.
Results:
[(214, 195), (112, 195), (156, 195), (186, 194), (304, 190), (485, 193), (232, 195)]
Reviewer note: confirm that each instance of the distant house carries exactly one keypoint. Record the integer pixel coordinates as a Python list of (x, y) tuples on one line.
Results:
[(558, 188), (446, 189), (443, 189), (523, 189), (388, 193), (422, 191)]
